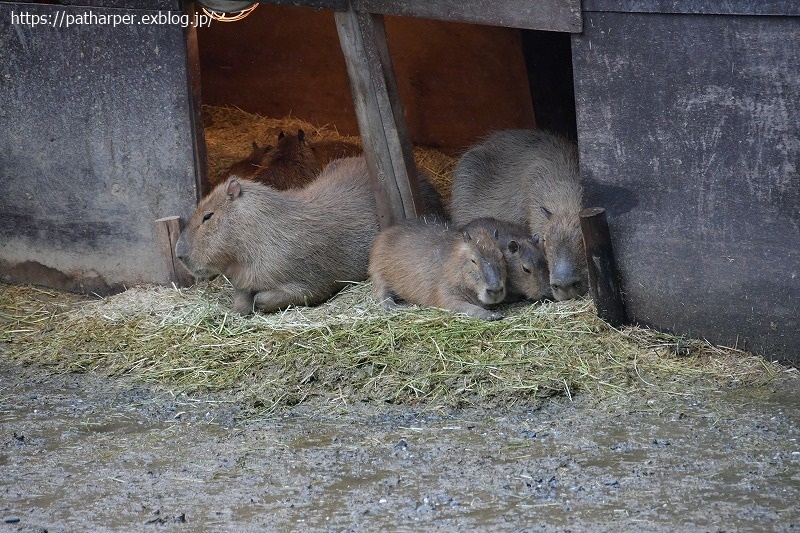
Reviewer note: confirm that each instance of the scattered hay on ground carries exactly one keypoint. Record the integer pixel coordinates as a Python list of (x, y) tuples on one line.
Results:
[(350, 350), (230, 133)]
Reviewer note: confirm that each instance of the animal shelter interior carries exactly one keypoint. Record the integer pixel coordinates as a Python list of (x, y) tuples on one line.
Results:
[(686, 120)]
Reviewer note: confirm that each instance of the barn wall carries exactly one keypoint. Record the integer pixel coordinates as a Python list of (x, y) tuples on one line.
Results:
[(689, 134), (456, 81), (97, 142)]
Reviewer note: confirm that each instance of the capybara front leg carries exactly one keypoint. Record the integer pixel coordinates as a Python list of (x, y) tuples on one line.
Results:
[(243, 302), (473, 310), (275, 299)]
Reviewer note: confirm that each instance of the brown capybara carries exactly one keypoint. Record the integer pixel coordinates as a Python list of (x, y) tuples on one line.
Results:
[(327, 150), (528, 177), (528, 275), (281, 248), (429, 263), (250, 166), (291, 164)]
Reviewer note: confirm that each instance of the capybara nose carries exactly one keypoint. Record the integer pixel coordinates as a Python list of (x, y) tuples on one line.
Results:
[(495, 291)]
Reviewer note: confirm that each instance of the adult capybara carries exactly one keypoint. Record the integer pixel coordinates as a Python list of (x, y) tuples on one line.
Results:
[(528, 275), (281, 248), (291, 164), (250, 166), (429, 263), (528, 177)]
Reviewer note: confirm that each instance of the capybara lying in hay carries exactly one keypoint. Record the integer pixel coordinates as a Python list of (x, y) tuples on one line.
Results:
[(291, 164), (528, 275), (281, 248), (430, 264), (528, 177)]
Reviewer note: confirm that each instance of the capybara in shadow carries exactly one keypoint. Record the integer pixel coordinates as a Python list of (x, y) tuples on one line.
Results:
[(291, 164), (326, 150), (431, 264), (250, 166), (528, 275), (281, 248), (528, 177)]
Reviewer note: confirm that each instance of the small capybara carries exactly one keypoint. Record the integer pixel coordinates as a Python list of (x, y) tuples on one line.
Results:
[(528, 275), (281, 248), (528, 177), (431, 264), (250, 166), (291, 164)]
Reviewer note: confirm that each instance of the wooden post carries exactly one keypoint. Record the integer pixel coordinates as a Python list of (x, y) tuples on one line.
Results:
[(168, 229), (387, 147), (604, 281)]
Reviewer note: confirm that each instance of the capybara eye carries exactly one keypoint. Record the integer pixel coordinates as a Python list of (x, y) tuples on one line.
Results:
[(526, 269), (207, 216)]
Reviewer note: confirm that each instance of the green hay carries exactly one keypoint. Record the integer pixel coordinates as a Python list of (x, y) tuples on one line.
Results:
[(349, 349)]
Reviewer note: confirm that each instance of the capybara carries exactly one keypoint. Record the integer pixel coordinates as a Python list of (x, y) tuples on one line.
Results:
[(326, 150), (291, 164), (528, 275), (281, 248), (528, 177), (250, 166), (429, 263)]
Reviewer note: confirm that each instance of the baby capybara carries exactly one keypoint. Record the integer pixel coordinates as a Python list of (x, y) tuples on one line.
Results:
[(528, 177), (429, 263), (291, 164), (281, 248), (528, 275), (250, 166)]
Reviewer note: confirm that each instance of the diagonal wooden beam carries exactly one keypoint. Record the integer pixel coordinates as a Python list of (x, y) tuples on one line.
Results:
[(387, 147)]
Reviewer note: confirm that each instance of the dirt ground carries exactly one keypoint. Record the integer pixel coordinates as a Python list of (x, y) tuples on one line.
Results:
[(83, 453)]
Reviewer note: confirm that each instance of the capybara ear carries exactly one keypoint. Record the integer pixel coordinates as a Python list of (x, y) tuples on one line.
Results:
[(234, 189), (513, 246), (467, 236), (281, 135), (301, 135), (545, 212)]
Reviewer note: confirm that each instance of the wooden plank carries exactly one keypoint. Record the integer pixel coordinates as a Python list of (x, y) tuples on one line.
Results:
[(379, 111), (551, 15), (168, 229), (688, 129), (604, 281)]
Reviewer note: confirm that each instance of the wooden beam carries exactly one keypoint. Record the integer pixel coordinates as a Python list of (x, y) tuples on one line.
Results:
[(384, 134), (550, 15), (167, 230), (604, 281)]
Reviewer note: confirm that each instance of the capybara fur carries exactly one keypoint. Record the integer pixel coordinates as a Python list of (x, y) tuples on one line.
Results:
[(528, 177), (528, 275), (429, 263), (281, 248), (327, 150), (291, 164), (250, 166)]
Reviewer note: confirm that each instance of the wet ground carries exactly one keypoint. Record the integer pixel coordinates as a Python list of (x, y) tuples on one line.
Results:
[(82, 453)]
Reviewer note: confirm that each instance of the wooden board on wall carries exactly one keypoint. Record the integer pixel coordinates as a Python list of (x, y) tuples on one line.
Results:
[(96, 143), (457, 81)]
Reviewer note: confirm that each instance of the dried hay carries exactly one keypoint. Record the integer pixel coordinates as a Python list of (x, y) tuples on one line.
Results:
[(350, 350), (230, 133)]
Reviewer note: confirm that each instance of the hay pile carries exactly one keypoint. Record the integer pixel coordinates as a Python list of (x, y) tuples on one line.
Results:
[(350, 350), (230, 133)]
